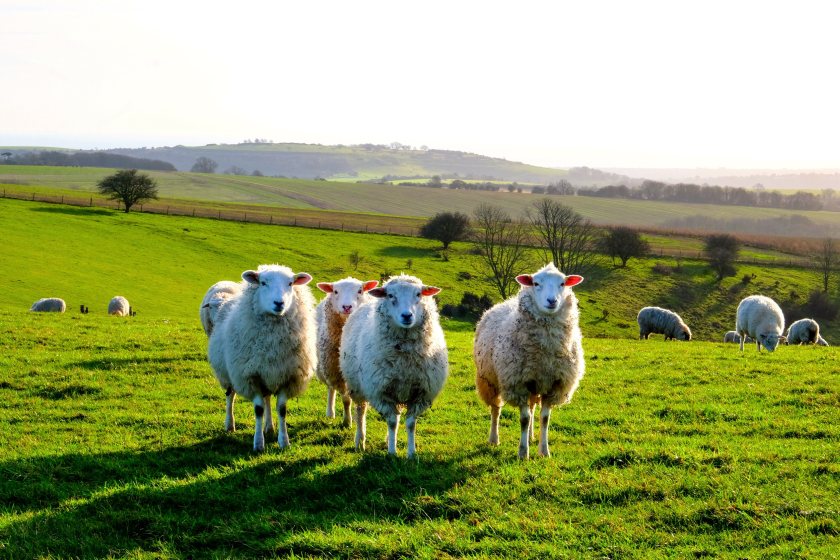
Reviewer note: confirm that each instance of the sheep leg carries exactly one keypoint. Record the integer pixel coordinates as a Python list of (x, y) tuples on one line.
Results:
[(361, 413), (330, 402), (345, 400), (259, 436), (545, 417), (268, 426), (410, 425), (230, 423), (742, 341), (524, 424), (393, 421), (495, 411), (282, 429), (532, 404)]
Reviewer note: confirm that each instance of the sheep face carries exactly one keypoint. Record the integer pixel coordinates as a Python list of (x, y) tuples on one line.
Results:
[(347, 294), (275, 288), (684, 334), (549, 287), (770, 340), (403, 301)]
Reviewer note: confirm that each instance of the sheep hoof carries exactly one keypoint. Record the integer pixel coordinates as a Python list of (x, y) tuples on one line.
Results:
[(545, 452), (523, 452), (494, 441)]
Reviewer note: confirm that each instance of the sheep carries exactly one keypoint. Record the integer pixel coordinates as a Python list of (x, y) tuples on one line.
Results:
[(215, 300), (119, 307), (761, 318), (265, 345), (52, 304), (661, 321), (393, 356), (528, 351), (733, 336), (343, 297), (805, 330)]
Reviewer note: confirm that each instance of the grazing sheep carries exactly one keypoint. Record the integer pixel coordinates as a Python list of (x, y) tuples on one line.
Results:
[(119, 307), (51, 304), (216, 298), (528, 351), (733, 336), (805, 331), (661, 321), (761, 318), (343, 297), (393, 356), (265, 345)]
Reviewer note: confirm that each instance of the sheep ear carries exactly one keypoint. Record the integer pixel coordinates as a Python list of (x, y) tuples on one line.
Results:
[(573, 280), (301, 279), (251, 276), (369, 285), (325, 287), (525, 280), (430, 290), (378, 292)]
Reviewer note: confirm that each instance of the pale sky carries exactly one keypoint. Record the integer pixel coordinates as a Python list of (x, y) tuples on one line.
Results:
[(737, 84)]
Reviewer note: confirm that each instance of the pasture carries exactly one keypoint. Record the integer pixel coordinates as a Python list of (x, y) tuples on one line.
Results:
[(112, 440)]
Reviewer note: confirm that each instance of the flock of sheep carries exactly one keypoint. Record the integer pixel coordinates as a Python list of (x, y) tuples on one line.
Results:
[(118, 306)]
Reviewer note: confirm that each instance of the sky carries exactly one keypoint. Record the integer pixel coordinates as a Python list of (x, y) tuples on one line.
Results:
[(733, 84)]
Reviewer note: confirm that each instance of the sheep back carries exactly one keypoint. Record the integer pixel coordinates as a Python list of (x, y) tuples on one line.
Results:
[(757, 315), (215, 303), (805, 331), (118, 306), (656, 320), (55, 305)]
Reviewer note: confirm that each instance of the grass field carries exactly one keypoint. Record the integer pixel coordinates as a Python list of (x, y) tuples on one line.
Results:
[(113, 443)]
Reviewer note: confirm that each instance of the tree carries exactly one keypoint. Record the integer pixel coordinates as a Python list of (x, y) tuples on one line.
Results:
[(624, 243), (502, 243), (722, 251), (827, 259), (567, 238), (446, 227), (129, 187), (204, 165)]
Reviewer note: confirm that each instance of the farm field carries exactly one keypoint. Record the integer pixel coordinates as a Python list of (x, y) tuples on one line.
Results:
[(113, 443)]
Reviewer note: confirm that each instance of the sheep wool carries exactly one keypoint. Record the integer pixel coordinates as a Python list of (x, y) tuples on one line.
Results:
[(528, 351), (661, 321), (118, 306), (53, 304), (215, 303), (805, 331), (762, 319)]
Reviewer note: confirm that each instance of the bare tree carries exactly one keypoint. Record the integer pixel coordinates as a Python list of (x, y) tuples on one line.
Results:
[(502, 243), (567, 238), (204, 165), (827, 259)]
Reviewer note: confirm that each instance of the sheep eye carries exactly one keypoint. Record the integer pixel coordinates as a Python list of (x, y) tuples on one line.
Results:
[(390, 296), (360, 290), (536, 284), (290, 283), (262, 283), (335, 292)]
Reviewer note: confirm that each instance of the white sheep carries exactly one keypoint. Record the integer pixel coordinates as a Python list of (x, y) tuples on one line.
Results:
[(528, 351), (733, 336), (343, 298), (119, 307), (657, 320), (52, 304), (265, 345), (805, 331), (215, 301), (393, 356), (761, 318)]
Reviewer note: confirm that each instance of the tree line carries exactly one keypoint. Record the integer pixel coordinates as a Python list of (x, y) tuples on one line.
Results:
[(84, 159)]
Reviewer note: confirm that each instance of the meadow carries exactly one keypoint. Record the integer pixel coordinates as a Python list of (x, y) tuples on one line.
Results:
[(112, 441)]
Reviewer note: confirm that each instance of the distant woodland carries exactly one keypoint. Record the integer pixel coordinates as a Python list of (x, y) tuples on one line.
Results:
[(84, 159)]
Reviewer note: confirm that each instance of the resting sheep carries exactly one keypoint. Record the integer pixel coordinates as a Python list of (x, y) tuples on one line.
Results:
[(343, 298), (528, 351), (119, 307), (215, 300), (805, 331), (733, 336), (393, 356), (661, 321), (761, 318), (52, 304), (265, 345)]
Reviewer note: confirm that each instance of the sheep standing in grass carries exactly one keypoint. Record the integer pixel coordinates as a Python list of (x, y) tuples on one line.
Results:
[(215, 302), (805, 331), (761, 318), (265, 345), (343, 298), (528, 351), (733, 336), (393, 356), (52, 304), (655, 320), (119, 307)]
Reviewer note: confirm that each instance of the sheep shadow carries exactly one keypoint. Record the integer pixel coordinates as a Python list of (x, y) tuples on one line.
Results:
[(401, 252)]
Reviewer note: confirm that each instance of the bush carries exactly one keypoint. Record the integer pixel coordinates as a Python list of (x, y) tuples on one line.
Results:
[(446, 227), (471, 306)]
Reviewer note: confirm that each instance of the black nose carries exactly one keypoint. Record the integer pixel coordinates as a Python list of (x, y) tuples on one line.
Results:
[(406, 317), (552, 302), (278, 306)]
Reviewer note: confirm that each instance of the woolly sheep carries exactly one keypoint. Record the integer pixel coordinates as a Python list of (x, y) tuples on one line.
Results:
[(265, 345), (52, 304), (761, 318), (393, 356), (215, 300), (343, 297), (528, 351), (119, 307), (733, 336), (661, 321), (805, 331)]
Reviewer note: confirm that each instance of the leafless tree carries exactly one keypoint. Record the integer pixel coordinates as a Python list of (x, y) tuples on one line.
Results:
[(567, 238), (502, 243), (827, 259)]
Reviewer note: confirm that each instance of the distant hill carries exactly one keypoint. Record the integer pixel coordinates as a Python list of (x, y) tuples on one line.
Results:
[(747, 178), (358, 162)]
